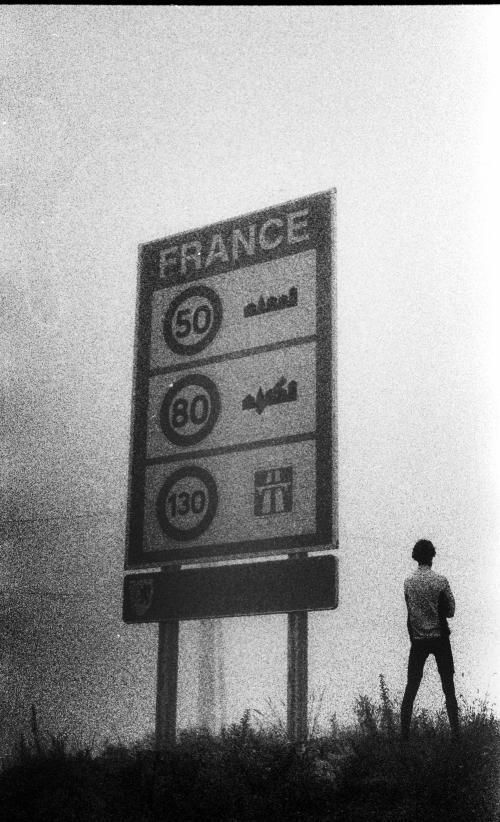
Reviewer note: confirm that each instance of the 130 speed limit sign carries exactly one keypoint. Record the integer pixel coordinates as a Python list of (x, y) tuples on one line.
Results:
[(187, 503), (190, 409), (192, 320)]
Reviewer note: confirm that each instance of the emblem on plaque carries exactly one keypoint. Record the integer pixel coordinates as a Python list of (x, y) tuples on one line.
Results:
[(141, 595)]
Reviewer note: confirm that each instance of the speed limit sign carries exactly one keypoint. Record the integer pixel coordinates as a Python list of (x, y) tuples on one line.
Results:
[(192, 320), (187, 503), (190, 409)]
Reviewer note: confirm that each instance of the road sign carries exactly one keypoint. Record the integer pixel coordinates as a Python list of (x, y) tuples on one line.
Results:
[(232, 590), (233, 439)]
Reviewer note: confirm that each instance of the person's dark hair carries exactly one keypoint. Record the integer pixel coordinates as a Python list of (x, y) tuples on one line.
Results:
[(423, 551)]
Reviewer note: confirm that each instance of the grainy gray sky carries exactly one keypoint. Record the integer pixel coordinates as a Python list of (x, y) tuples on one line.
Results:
[(122, 124)]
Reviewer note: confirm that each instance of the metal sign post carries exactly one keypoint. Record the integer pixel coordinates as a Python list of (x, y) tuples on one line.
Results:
[(297, 679), (166, 688), (167, 666)]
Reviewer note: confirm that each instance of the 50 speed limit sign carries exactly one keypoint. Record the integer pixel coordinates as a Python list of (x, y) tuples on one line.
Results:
[(192, 320), (190, 409)]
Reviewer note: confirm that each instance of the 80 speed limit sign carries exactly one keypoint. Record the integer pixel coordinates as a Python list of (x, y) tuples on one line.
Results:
[(192, 320), (190, 409)]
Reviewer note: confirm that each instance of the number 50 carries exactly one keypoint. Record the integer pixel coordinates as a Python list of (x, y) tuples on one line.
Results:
[(200, 323)]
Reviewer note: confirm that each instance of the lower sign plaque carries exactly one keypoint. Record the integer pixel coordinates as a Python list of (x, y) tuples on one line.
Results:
[(277, 587), (187, 503)]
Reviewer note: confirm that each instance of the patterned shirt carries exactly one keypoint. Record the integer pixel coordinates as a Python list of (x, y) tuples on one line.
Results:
[(429, 601)]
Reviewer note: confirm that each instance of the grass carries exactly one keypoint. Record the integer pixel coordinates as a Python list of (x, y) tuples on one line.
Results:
[(248, 773)]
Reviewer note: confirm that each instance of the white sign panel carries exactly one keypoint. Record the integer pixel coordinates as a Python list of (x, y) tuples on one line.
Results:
[(270, 394), (270, 493)]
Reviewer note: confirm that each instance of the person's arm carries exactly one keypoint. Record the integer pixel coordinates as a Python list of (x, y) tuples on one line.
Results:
[(446, 608), (447, 601), (408, 623)]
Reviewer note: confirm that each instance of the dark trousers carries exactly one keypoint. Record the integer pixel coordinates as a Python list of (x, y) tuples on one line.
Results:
[(419, 651)]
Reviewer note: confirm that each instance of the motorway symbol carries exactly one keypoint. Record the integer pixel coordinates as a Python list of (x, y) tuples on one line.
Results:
[(192, 320), (273, 491), (187, 503), (190, 409)]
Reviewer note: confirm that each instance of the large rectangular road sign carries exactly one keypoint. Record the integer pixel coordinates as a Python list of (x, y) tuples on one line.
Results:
[(234, 417), (278, 587)]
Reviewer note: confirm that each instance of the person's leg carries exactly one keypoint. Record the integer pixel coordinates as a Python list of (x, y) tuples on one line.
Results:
[(444, 660), (416, 662)]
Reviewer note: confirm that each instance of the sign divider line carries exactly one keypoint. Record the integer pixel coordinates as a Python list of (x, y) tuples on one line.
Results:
[(234, 355), (229, 449)]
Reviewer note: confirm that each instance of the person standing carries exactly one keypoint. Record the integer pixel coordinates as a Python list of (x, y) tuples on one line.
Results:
[(430, 603)]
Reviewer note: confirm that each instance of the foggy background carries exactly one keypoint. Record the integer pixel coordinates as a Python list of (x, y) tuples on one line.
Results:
[(123, 124)]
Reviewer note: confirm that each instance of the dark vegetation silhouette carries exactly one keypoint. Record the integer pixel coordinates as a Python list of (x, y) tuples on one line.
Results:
[(249, 773)]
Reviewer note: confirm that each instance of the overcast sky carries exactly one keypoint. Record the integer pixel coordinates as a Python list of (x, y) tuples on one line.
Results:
[(122, 124)]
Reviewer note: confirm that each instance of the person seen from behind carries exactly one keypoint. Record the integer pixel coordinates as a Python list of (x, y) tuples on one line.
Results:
[(430, 603)]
